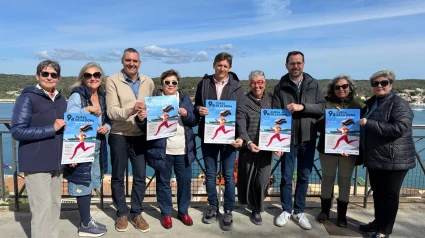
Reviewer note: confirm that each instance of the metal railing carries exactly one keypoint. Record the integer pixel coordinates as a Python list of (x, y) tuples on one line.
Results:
[(414, 185)]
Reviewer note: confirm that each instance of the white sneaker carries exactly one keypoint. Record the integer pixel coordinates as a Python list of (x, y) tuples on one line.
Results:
[(282, 219), (302, 221)]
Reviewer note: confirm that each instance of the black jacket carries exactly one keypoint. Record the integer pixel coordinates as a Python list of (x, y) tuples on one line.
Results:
[(309, 95), (389, 143), (231, 91)]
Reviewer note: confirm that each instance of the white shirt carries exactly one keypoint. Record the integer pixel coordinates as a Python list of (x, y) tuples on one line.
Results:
[(219, 86), (47, 93), (176, 145)]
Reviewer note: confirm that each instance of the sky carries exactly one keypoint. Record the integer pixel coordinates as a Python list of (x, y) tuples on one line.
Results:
[(355, 37)]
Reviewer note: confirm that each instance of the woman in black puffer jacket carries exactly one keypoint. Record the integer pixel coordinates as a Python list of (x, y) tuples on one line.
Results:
[(388, 148)]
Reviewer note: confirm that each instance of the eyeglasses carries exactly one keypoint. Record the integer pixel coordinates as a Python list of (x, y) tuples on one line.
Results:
[(46, 74), (383, 83), (174, 83), (344, 86), (96, 75), (259, 83)]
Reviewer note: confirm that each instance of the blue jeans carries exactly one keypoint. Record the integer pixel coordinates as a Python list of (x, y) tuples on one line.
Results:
[(123, 148), (183, 172), (228, 158), (304, 155)]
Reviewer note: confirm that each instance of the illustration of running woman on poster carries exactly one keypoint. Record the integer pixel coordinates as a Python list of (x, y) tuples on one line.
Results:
[(344, 131), (277, 129), (164, 118), (222, 122), (81, 139)]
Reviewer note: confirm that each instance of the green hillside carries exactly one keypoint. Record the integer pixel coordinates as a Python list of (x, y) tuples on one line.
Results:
[(15, 82)]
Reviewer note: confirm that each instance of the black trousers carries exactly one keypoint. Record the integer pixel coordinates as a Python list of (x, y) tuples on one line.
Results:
[(386, 186)]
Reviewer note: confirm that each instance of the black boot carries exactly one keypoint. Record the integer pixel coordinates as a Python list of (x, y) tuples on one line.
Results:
[(326, 206), (342, 213)]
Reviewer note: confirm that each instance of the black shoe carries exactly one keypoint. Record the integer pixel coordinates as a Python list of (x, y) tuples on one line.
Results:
[(256, 218), (371, 227), (342, 214), (210, 216), (227, 221), (326, 207), (378, 235)]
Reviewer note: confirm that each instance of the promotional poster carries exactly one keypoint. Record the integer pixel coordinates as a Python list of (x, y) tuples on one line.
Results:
[(220, 123), (275, 130), (162, 116), (79, 139), (342, 133)]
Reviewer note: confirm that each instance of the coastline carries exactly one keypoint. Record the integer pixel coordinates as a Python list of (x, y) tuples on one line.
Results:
[(7, 100)]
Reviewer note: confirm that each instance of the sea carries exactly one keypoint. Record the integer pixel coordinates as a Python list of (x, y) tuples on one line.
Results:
[(415, 178)]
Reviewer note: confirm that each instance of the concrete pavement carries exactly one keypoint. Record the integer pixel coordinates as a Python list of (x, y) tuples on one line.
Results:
[(410, 222)]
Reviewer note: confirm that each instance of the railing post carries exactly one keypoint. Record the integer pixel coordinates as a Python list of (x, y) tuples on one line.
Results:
[(356, 177), (15, 175), (2, 180), (366, 193)]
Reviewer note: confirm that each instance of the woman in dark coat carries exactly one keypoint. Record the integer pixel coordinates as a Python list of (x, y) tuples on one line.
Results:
[(254, 166), (389, 149), (88, 96), (177, 151), (340, 95)]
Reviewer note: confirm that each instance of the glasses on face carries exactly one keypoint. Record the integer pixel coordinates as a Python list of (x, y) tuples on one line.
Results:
[(259, 83), (292, 64), (174, 83), (96, 75), (344, 86), (46, 74), (383, 83)]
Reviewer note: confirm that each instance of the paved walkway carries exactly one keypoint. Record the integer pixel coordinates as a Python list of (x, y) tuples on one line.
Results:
[(410, 222)]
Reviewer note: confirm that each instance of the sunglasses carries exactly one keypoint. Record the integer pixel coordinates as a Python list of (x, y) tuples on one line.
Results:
[(344, 86), (46, 74), (96, 75), (174, 83), (259, 83), (383, 83)]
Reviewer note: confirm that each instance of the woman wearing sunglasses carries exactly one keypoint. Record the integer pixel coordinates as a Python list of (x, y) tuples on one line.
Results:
[(340, 95), (88, 96), (37, 122), (388, 149), (178, 151)]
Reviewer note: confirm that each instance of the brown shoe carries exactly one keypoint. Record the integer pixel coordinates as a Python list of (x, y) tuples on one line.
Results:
[(121, 223), (140, 223)]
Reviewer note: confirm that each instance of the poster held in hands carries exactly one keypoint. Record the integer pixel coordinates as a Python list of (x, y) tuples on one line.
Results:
[(79, 139), (342, 131), (220, 123), (275, 130), (162, 116)]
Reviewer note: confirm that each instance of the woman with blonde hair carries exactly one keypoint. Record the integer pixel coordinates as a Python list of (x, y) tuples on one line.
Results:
[(88, 96)]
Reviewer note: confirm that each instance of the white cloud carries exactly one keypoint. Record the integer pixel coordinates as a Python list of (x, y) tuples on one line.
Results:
[(221, 47), (173, 56), (4, 59), (71, 54), (272, 8)]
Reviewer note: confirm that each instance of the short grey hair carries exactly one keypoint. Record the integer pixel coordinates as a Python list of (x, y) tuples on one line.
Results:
[(331, 86), (48, 63), (389, 74), (256, 73), (81, 79)]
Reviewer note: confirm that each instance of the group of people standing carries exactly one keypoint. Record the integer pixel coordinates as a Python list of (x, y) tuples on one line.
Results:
[(38, 124)]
